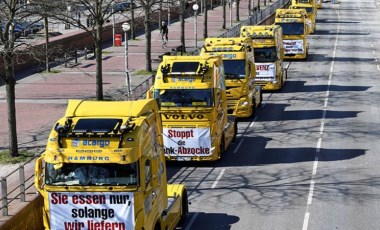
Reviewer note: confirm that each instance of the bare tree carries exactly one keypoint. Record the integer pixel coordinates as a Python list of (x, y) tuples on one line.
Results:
[(12, 13), (205, 20), (224, 2), (98, 13), (182, 19), (237, 10)]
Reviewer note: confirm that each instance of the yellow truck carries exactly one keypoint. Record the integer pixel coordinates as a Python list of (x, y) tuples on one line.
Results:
[(243, 95), (311, 10), (269, 55), (104, 168), (319, 4), (295, 28), (192, 95)]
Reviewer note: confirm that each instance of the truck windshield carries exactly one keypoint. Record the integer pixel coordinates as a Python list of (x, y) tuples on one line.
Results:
[(234, 69), (292, 28), (74, 174), (185, 97), (265, 54)]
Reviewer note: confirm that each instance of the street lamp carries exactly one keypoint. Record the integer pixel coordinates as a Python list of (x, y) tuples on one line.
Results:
[(126, 27), (67, 25), (113, 22), (195, 8)]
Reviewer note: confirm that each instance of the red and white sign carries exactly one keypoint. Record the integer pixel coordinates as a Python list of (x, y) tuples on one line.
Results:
[(293, 46), (89, 211), (265, 70), (187, 142)]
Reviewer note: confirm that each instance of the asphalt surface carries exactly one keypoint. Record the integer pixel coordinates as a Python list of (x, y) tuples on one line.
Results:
[(310, 158), (41, 98)]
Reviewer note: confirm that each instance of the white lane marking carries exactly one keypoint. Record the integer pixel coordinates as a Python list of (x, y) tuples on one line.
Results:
[(319, 143), (378, 67), (238, 146), (217, 179), (265, 102), (306, 221), (310, 198), (253, 122), (191, 222)]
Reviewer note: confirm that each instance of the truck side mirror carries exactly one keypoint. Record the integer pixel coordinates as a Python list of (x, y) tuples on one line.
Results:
[(38, 171)]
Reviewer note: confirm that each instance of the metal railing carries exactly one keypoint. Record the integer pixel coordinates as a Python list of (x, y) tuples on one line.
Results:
[(11, 191)]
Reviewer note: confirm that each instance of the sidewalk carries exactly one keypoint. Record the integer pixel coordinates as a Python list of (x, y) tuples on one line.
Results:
[(41, 98)]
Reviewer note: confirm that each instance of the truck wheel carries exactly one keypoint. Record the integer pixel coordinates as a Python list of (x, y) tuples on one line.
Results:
[(253, 114), (185, 207), (235, 131), (157, 226), (222, 147)]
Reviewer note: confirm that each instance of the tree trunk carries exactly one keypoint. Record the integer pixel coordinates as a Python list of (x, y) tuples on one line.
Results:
[(249, 7), (11, 104), (148, 36), (98, 58), (205, 21), (182, 19), (224, 14), (237, 10), (47, 64), (133, 22)]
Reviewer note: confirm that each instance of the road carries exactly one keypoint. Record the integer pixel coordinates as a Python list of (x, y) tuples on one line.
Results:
[(309, 160)]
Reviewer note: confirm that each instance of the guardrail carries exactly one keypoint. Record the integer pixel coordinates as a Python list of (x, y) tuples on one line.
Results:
[(11, 191)]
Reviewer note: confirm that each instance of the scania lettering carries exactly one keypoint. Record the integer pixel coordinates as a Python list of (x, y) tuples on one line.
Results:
[(123, 186), (295, 28), (243, 95), (269, 55), (196, 126)]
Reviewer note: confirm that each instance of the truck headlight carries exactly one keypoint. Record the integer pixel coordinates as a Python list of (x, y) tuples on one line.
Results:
[(244, 103)]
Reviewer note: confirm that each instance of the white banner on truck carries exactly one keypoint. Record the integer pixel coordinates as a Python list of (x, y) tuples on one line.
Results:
[(85, 210), (265, 70), (187, 142), (293, 46)]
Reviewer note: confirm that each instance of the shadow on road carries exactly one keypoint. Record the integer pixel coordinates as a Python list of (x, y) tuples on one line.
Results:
[(217, 221)]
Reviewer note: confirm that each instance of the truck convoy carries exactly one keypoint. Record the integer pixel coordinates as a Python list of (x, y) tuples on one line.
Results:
[(243, 95), (104, 168), (192, 95), (295, 28), (269, 55), (311, 10)]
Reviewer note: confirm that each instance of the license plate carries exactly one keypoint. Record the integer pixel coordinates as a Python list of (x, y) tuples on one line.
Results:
[(183, 158)]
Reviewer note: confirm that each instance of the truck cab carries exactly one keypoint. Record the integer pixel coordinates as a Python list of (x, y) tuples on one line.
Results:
[(193, 106), (269, 55), (104, 168), (311, 10), (244, 96), (295, 27)]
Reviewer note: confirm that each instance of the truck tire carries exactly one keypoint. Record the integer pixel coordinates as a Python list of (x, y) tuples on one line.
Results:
[(235, 131), (253, 114), (157, 226), (185, 207), (222, 147)]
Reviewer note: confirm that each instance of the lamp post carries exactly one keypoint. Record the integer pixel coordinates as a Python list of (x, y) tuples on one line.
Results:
[(195, 8), (232, 5), (126, 27), (113, 22), (67, 25)]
